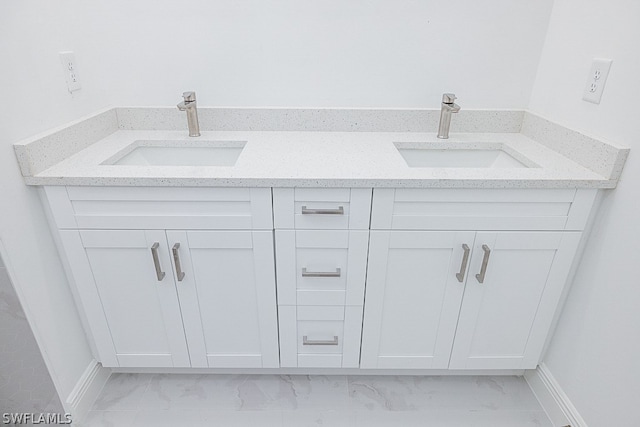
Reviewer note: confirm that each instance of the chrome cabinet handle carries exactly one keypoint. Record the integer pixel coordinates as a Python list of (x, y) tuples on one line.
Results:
[(176, 260), (339, 211), (306, 273), (465, 260), (485, 262), (307, 341), (156, 261)]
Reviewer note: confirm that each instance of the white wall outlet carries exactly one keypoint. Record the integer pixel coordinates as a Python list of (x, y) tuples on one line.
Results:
[(68, 60), (595, 81)]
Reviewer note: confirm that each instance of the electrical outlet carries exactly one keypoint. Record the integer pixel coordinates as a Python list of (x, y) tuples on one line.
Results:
[(68, 60), (596, 79)]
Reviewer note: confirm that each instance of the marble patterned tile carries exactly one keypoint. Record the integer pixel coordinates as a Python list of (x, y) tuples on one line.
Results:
[(319, 418), (453, 418), (245, 392), (107, 419), (170, 418), (411, 393), (200, 418), (122, 392), (242, 418), (316, 400), (293, 392), (190, 391)]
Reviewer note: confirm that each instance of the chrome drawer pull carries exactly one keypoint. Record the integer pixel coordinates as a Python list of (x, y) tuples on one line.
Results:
[(307, 341), (485, 262), (176, 260), (339, 211), (306, 273), (465, 260), (156, 261)]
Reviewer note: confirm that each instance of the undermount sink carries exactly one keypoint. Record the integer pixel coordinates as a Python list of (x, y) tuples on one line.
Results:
[(179, 153), (438, 155)]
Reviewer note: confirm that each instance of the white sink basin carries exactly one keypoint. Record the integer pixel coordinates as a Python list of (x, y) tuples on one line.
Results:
[(179, 153), (437, 157)]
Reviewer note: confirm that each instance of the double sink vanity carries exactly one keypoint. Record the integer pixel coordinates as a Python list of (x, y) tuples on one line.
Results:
[(351, 239)]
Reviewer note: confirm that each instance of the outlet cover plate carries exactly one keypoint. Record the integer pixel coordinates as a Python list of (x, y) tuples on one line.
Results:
[(68, 60), (596, 80)]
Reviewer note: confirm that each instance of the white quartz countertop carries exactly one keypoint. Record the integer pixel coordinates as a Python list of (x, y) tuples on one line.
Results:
[(322, 159)]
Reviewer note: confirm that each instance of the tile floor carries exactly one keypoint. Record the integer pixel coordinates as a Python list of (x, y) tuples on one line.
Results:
[(285, 401)]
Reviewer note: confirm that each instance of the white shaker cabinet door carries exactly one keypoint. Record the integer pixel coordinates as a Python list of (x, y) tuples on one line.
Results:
[(415, 283), (228, 297), (131, 272), (505, 319)]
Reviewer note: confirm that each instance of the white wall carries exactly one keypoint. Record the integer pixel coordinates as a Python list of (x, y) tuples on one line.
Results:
[(594, 353), (308, 53), (33, 100)]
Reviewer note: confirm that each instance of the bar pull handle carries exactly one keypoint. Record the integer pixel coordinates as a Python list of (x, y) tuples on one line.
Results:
[(307, 341), (176, 260), (306, 273), (338, 211), (485, 262), (463, 266), (156, 261)]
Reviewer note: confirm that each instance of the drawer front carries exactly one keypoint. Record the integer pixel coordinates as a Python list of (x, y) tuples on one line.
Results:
[(321, 267), (321, 208), (481, 209), (320, 337), (320, 330), (160, 208)]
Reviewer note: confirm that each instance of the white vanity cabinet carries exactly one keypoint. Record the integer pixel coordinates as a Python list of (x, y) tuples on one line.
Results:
[(172, 296), (319, 277), (443, 294)]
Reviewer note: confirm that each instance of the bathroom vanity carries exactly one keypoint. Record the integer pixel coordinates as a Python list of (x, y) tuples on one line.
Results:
[(293, 249)]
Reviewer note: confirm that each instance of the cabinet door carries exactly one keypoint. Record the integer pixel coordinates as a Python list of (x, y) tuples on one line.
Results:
[(228, 297), (140, 306), (412, 298), (504, 320)]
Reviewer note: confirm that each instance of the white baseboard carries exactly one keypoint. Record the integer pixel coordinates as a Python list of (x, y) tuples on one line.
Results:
[(87, 389), (552, 398), (321, 371)]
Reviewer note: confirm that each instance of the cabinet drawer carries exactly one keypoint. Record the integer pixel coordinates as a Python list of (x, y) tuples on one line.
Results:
[(321, 267), (320, 337), (320, 330), (160, 208), (321, 208), (481, 209)]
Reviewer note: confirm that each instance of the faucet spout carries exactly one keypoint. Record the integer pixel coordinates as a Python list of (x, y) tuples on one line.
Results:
[(452, 108)]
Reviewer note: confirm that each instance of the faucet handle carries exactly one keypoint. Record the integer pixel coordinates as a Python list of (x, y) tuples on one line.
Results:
[(189, 96), (448, 98)]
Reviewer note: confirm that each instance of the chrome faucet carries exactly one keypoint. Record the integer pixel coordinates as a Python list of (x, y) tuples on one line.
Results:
[(189, 105), (448, 107)]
